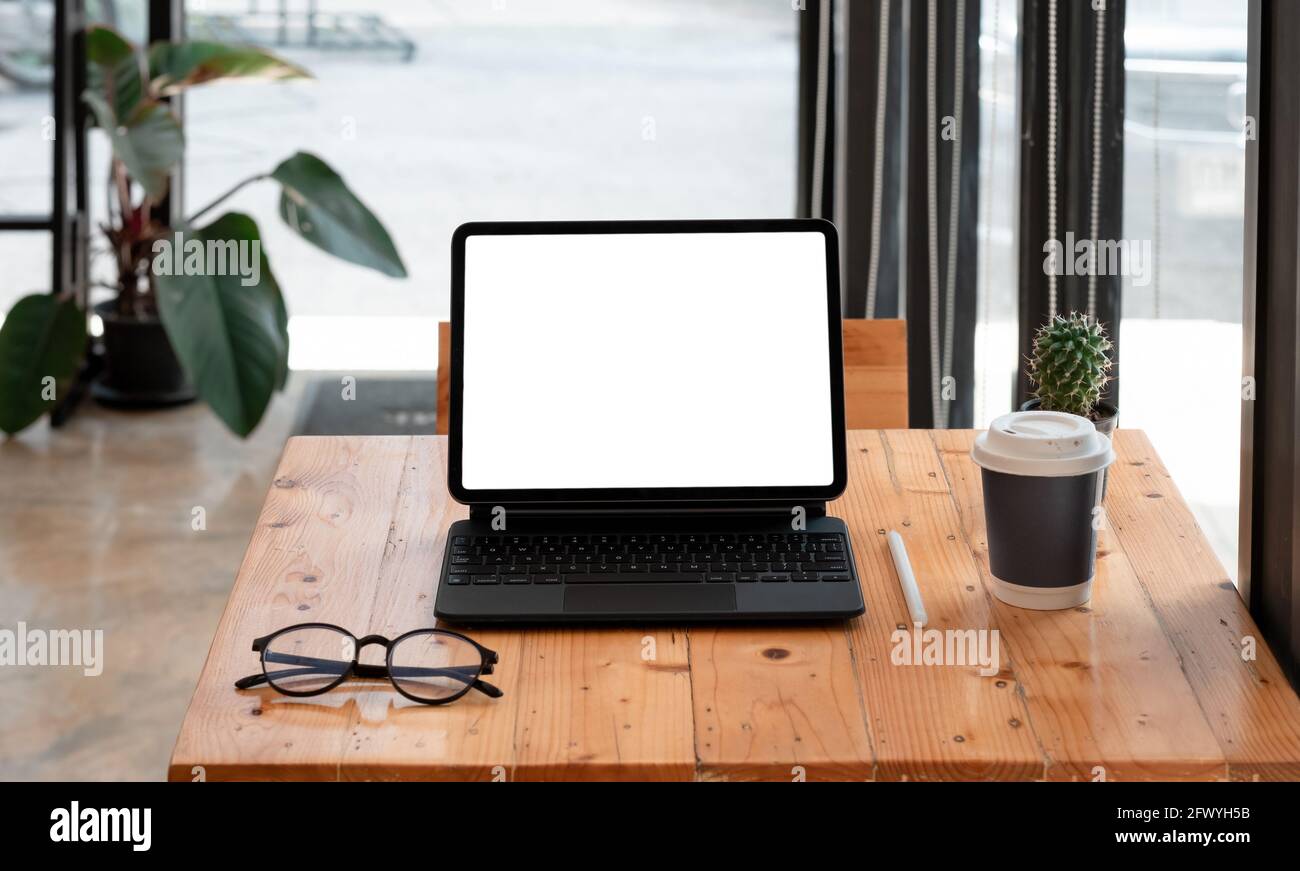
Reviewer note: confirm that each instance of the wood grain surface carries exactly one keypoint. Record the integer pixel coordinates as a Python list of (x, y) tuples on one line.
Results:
[(1148, 681)]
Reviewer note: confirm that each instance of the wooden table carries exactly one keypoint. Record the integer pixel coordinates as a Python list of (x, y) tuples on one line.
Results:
[(1148, 681)]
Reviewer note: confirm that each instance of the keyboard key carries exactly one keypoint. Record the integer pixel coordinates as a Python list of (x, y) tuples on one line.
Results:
[(460, 539), (746, 578), (546, 579), (834, 577), (649, 578), (634, 568), (466, 561), (514, 579), (484, 579), (803, 576), (773, 578), (755, 567), (459, 580), (720, 577), (832, 567)]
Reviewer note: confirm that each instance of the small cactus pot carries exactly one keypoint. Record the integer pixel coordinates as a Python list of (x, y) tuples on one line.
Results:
[(1105, 422)]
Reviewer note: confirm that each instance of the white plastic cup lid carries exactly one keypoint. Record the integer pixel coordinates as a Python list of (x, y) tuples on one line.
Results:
[(1045, 444)]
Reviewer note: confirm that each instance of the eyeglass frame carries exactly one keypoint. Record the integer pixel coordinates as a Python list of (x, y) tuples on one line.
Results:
[(355, 668)]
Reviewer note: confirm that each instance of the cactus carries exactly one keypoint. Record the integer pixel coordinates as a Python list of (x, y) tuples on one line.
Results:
[(1071, 364)]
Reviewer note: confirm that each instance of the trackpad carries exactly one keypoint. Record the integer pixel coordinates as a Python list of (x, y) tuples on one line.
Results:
[(639, 598)]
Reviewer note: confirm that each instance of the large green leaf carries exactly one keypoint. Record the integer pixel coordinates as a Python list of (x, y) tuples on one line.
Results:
[(41, 338), (113, 69), (318, 206), (175, 66), (149, 140), (231, 338)]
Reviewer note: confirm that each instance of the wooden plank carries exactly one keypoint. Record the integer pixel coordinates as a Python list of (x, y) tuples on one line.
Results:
[(393, 738), (1102, 683), (777, 703), (442, 419), (875, 373), (1253, 711), (605, 704), (926, 722), (314, 555)]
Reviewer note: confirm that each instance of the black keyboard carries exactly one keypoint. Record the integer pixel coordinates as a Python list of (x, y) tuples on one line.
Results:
[(659, 558)]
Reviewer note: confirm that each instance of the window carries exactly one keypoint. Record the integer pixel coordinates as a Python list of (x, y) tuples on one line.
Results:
[(996, 360), (26, 131), (440, 114), (1184, 195)]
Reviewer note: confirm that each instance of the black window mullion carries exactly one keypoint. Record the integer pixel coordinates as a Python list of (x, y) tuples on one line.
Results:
[(1269, 549), (167, 24)]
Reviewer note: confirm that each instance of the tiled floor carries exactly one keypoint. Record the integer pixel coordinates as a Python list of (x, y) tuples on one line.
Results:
[(96, 533)]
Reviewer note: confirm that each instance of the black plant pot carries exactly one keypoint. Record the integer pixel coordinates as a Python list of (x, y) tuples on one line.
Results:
[(1107, 415), (140, 367)]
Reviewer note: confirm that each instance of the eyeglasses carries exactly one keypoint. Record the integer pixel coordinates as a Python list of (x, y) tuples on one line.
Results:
[(430, 666)]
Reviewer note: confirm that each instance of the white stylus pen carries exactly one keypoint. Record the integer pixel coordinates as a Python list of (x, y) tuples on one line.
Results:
[(906, 579)]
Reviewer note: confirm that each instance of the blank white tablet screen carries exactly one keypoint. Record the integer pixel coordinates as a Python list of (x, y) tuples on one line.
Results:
[(646, 360)]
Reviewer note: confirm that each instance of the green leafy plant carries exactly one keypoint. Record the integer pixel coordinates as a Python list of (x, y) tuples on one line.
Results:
[(1070, 365), (230, 332)]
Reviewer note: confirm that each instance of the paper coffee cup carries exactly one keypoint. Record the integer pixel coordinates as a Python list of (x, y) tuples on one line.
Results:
[(1042, 474)]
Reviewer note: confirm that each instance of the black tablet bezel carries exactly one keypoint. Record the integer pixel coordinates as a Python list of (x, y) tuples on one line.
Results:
[(634, 496)]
